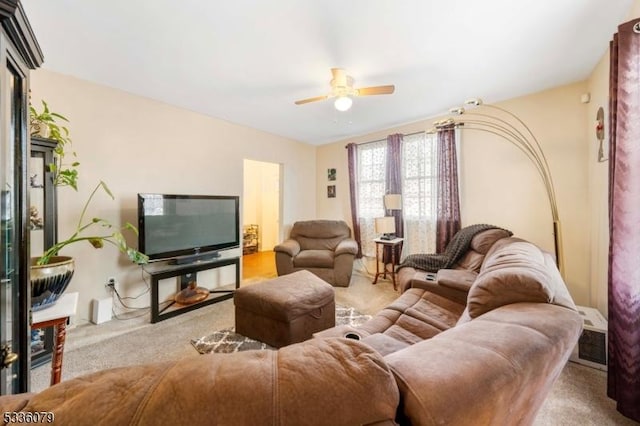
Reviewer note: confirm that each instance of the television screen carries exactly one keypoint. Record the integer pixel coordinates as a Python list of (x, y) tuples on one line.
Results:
[(182, 225)]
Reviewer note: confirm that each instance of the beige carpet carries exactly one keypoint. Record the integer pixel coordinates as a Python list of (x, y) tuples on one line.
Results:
[(577, 398)]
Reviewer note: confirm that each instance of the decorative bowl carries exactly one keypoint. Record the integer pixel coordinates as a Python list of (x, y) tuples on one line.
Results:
[(49, 281)]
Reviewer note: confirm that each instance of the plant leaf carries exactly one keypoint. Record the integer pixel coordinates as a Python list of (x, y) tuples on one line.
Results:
[(107, 190), (96, 242), (55, 114), (131, 227)]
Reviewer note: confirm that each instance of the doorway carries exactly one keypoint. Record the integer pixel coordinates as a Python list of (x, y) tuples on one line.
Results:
[(261, 218)]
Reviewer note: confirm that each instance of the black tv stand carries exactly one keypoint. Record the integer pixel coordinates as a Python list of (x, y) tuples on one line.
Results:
[(195, 258), (171, 308)]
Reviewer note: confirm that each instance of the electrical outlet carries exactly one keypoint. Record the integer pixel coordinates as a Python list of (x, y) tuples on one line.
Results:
[(111, 282)]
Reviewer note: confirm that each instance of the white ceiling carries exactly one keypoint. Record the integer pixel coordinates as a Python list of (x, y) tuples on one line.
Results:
[(247, 61)]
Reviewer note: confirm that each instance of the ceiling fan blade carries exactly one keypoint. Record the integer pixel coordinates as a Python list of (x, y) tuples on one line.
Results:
[(306, 101), (376, 90)]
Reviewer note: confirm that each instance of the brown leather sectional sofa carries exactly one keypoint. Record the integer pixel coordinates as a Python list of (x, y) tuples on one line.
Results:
[(490, 360), (424, 360)]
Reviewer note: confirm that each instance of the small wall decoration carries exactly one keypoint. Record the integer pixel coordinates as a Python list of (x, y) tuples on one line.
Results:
[(331, 174), (600, 134), (331, 191)]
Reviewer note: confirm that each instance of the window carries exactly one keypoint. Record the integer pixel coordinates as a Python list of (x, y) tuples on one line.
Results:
[(419, 169)]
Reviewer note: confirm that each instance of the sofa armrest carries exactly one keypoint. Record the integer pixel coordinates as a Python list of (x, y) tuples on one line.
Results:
[(429, 281), (457, 279), (341, 331), (347, 246), (278, 389), (505, 364), (290, 247)]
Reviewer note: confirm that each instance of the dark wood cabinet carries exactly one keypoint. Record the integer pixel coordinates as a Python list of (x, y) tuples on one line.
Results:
[(19, 52), (43, 224)]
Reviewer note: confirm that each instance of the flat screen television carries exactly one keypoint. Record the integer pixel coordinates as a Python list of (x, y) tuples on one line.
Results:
[(187, 228)]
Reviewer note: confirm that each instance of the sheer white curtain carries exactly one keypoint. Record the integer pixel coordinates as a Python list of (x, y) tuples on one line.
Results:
[(371, 171), (419, 191)]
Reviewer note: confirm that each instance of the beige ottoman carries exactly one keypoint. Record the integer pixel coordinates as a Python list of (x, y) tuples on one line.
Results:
[(285, 310)]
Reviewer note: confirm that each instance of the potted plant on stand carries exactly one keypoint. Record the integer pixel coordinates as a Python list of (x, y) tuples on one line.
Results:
[(45, 124), (52, 272)]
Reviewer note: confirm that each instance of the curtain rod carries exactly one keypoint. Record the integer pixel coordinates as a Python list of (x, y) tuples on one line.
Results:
[(378, 140)]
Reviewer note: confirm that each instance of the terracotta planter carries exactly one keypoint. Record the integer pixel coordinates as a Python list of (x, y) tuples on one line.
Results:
[(48, 282)]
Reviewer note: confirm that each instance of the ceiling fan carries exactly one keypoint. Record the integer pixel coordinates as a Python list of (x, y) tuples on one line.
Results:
[(342, 89)]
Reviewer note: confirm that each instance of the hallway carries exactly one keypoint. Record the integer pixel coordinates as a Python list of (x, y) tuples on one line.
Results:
[(261, 264)]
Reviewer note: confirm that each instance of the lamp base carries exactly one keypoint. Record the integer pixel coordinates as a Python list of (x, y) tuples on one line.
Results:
[(388, 236)]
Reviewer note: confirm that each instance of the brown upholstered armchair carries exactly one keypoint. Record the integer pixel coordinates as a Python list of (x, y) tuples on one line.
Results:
[(324, 247)]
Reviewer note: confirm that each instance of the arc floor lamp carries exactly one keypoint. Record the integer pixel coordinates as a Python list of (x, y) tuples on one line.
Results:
[(511, 128)]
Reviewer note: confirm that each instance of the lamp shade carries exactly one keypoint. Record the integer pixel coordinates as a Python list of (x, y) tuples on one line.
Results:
[(385, 225), (392, 202)]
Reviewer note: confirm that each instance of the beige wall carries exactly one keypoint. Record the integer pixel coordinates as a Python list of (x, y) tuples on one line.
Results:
[(598, 86), (634, 12), (500, 186), (139, 145)]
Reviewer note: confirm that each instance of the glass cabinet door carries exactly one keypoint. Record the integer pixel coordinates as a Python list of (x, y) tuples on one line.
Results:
[(42, 194), (14, 266), (42, 228), (36, 202)]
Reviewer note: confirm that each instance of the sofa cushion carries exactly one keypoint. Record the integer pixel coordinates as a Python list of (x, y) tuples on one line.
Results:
[(512, 273), (314, 259), (414, 316), (483, 241), (472, 260), (320, 234)]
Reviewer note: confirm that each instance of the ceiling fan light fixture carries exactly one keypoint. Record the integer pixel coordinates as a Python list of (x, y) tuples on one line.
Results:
[(343, 103), (343, 91)]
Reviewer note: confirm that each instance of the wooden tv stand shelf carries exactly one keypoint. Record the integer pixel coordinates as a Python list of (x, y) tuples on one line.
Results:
[(165, 271)]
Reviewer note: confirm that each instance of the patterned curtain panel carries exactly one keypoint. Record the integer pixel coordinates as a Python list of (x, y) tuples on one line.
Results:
[(624, 220), (352, 153), (394, 186), (448, 210), (394, 175)]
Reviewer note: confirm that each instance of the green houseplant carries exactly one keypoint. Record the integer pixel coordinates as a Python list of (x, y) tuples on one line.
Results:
[(51, 272), (106, 234), (45, 124)]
